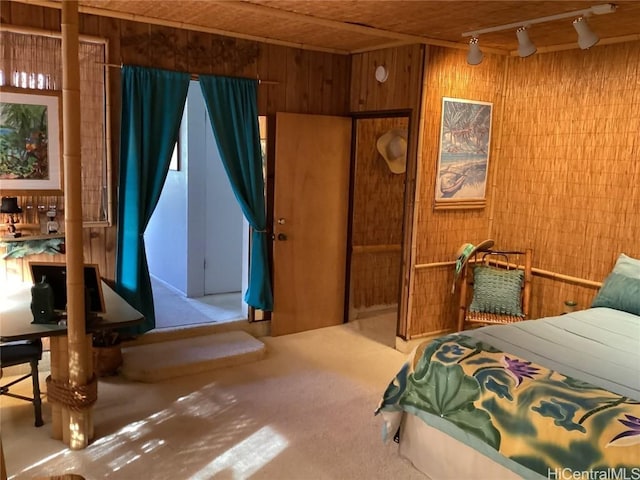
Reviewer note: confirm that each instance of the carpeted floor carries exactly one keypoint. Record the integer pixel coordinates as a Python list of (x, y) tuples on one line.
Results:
[(173, 309), (303, 412)]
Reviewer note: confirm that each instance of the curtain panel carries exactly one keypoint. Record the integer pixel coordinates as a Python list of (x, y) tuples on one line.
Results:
[(152, 104), (233, 109)]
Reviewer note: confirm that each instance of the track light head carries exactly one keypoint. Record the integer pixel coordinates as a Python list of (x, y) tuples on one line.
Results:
[(475, 55), (586, 37), (525, 45)]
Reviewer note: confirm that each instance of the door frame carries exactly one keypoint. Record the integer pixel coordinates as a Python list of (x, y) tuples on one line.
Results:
[(408, 213)]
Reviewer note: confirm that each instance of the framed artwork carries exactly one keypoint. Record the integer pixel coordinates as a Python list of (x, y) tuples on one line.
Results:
[(463, 157), (30, 141)]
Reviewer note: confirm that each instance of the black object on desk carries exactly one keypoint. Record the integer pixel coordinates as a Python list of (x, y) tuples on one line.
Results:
[(56, 276), (42, 302)]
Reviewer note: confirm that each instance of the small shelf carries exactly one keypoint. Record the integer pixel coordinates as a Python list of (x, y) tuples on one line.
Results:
[(26, 238)]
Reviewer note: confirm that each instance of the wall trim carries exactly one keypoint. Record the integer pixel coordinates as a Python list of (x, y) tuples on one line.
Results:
[(538, 272)]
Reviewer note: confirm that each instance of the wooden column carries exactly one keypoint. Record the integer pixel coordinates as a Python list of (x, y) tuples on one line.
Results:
[(76, 424), (3, 468)]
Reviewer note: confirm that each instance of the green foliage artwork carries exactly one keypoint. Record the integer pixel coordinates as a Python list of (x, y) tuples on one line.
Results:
[(30, 141), (23, 141)]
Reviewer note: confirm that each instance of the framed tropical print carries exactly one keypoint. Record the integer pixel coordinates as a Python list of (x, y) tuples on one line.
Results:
[(30, 141)]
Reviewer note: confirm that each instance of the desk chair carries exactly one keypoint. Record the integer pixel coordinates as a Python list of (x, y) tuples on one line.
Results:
[(495, 288), (18, 353)]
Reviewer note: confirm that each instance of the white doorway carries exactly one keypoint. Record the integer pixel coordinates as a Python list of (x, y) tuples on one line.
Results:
[(195, 241)]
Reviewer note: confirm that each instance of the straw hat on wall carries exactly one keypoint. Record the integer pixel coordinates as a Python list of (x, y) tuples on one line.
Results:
[(393, 148)]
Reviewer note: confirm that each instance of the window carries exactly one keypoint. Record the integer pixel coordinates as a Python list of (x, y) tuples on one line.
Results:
[(34, 61)]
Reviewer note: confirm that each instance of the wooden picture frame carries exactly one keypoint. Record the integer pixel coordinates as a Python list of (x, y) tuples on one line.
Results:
[(463, 156), (30, 142)]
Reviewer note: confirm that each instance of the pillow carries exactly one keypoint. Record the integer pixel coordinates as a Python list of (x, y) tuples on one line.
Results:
[(620, 293), (627, 266), (496, 290)]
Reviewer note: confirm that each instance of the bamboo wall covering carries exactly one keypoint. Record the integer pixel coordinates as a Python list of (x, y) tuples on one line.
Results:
[(563, 174), (439, 233), (569, 165), (401, 91), (378, 208)]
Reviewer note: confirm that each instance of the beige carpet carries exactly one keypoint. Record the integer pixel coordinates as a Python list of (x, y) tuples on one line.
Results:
[(305, 411)]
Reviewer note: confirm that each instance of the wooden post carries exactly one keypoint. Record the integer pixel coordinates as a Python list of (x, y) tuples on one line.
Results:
[(3, 468), (59, 372), (462, 303), (78, 425)]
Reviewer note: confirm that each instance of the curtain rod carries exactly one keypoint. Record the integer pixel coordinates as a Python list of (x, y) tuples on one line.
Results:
[(195, 76)]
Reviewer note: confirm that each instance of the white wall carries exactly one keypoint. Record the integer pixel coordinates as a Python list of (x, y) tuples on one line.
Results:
[(223, 222), (197, 217), (166, 234)]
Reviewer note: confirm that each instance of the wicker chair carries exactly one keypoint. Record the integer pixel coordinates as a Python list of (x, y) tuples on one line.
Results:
[(491, 280)]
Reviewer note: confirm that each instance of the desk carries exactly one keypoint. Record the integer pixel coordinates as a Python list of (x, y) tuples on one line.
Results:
[(16, 316), (15, 324)]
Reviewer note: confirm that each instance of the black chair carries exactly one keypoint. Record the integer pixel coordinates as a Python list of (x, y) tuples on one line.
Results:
[(18, 353)]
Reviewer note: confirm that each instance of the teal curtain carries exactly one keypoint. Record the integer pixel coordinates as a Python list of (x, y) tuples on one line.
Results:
[(232, 104), (152, 105)]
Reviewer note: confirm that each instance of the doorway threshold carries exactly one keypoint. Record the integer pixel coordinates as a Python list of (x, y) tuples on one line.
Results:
[(179, 317)]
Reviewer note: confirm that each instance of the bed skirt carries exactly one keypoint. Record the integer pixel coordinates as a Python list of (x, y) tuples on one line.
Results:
[(441, 457)]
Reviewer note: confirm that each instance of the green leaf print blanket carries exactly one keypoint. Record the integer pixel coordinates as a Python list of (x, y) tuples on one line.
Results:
[(524, 407)]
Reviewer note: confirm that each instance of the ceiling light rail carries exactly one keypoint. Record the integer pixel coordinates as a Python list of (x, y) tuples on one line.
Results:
[(586, 37)]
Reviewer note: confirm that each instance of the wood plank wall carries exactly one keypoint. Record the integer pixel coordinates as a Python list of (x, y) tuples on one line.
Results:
[(564, 174), (401, 91), (568, 188), (402, 88), (308, 82)]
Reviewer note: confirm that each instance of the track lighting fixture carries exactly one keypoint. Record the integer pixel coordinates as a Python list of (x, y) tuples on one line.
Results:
[(586, 37), (475, 55), (525, 45)]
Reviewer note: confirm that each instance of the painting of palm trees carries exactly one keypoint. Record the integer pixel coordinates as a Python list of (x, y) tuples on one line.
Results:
[(464, 150), (29, 128)]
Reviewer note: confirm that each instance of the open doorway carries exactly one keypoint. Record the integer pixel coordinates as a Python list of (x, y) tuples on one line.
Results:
[(197, 240), (378, 190)]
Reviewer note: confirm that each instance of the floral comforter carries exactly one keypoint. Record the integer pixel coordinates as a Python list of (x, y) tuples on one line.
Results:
[(531, 415)]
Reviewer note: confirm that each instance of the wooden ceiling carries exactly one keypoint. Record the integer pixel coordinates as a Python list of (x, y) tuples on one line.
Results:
[(352, 26)]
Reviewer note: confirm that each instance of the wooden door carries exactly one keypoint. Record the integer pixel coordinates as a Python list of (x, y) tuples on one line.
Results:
[(311, 203)]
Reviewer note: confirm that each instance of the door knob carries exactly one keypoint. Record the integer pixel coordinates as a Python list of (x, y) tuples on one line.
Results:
[(282, 236)]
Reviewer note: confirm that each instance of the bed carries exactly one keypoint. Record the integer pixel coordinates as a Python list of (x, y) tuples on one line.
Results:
[(536, 399)]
